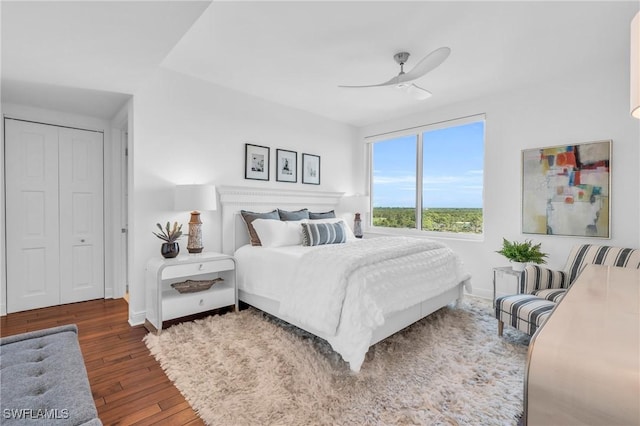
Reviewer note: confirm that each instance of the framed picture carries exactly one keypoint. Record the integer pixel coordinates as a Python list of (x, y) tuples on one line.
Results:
[(311, 169), (256, 162), (566, 189), (286, 166)]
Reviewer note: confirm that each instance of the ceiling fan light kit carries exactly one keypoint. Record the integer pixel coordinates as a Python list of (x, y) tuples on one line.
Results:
[(403, 80)]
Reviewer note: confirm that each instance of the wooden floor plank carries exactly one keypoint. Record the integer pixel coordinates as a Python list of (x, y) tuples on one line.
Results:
[(127, 383), (166, 416)]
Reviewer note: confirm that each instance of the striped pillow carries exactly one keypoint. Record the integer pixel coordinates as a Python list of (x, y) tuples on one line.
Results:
[(315, 234)]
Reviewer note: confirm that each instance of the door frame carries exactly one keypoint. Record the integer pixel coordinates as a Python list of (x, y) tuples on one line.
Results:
[(110, 181), (120, 174)]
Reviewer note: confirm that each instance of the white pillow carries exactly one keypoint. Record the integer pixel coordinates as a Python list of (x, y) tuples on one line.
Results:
[(278, 233), (347, 228)]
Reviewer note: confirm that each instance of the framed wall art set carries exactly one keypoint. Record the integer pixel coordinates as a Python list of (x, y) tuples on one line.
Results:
[(257, 165)]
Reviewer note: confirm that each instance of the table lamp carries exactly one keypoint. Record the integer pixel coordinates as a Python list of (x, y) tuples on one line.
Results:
[(195, 198), (356, 204)]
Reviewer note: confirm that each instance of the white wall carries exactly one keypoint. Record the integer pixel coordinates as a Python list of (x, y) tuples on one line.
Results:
[(60, 118), (579, 108), (190, 131)]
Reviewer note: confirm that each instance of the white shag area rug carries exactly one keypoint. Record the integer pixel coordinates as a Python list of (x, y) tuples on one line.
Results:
[(249, 368)]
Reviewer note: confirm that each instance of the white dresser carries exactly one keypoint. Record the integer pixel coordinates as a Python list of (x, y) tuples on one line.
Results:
[(164, 303), (584, 363)]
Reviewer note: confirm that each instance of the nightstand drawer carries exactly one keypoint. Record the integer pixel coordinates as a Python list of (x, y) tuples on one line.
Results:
[(178, 305), (192, 269)]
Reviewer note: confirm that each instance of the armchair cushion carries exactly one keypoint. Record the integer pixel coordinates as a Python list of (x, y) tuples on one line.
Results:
[(536, 277), (552, 294), (525, 312)]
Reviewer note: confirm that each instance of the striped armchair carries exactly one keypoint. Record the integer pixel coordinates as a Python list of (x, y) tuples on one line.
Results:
[(542, 288)]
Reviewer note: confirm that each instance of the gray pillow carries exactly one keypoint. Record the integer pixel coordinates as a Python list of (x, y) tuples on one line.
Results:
[(315, 234), (250, 217), (295, 215), (324, 215)]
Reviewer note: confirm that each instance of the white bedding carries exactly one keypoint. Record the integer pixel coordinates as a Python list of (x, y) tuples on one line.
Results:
[(262, 270), (345, 290)]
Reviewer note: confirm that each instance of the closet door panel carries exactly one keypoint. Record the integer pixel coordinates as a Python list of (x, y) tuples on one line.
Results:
[(81, 215), (31, 173)]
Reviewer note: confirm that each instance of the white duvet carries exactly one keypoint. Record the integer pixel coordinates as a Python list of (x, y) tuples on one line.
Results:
[(344, 291)]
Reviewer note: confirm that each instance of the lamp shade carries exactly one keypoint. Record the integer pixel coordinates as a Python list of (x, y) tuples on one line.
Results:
[(635, 66), (195, 198), (356, 203)]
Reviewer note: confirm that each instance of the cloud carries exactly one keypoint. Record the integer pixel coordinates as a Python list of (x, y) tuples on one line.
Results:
[(473, 179), (385, 180)]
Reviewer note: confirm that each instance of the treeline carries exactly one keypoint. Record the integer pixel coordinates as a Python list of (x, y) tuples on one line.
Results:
[(433, 219)]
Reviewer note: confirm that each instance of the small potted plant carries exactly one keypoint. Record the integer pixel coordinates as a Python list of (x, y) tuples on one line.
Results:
[(169, 235), (521, 253)]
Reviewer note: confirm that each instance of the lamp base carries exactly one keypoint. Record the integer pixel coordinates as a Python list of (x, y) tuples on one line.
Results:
[(194, 244), (357, 226)]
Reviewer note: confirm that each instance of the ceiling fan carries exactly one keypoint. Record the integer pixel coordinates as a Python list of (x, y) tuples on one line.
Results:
[(403, 80)]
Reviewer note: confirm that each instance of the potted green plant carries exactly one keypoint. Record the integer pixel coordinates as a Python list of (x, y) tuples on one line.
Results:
[(521, 253), (169, 235)]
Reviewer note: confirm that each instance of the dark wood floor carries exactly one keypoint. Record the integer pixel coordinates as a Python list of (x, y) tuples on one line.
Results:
[(127, 383)]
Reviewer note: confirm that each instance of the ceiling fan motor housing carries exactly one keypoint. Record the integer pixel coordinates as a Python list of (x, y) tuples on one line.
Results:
[(401, 57)]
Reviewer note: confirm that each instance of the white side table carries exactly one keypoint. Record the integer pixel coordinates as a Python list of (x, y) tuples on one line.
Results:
[(508, 270), (164, 303)]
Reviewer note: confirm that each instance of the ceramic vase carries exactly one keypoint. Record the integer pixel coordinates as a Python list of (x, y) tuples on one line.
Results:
[(170, 250)]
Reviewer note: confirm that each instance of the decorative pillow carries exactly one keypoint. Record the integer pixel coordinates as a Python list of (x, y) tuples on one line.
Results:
[(315, 234), (347, 229), (296, 215), (249, 217), (276, 233), (324, 215)]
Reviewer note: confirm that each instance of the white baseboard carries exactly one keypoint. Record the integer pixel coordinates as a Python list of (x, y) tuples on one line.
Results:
[(137, 318), (485, 294)]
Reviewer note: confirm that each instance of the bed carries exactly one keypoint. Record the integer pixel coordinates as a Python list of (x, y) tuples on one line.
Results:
[(353, 294)]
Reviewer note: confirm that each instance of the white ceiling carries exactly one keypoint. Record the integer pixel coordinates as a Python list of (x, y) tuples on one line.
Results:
[(297, 53), (87, 56)]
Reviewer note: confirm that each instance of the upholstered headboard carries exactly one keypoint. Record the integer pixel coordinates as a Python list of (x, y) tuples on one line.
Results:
[(236, 198)]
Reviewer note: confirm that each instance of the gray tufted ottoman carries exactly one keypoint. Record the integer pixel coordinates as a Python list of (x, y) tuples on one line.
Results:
[(43, 379)]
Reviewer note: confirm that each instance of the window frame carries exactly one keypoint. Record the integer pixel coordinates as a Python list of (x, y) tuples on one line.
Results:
[(418, 132)]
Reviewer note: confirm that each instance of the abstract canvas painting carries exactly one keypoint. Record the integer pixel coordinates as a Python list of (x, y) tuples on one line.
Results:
[(565, 190)]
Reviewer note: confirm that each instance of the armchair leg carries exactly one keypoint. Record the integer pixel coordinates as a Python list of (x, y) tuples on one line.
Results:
[(500, 328)]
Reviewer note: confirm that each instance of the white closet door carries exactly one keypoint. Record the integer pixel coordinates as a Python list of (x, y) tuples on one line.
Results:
[(81, 215), (31, 173)]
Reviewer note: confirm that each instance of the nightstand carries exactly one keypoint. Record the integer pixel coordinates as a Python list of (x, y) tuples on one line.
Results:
[(164, 303), (508, 270)]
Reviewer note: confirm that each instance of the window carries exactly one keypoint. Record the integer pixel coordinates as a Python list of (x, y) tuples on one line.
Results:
[(439, 168), (394, 179)]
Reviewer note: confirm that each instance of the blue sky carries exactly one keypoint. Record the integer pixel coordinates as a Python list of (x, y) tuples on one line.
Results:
[(452, 168)]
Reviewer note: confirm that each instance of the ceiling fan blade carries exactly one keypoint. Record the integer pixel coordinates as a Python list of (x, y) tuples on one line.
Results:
[(392, 82), (418, 92), (428, 63)]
